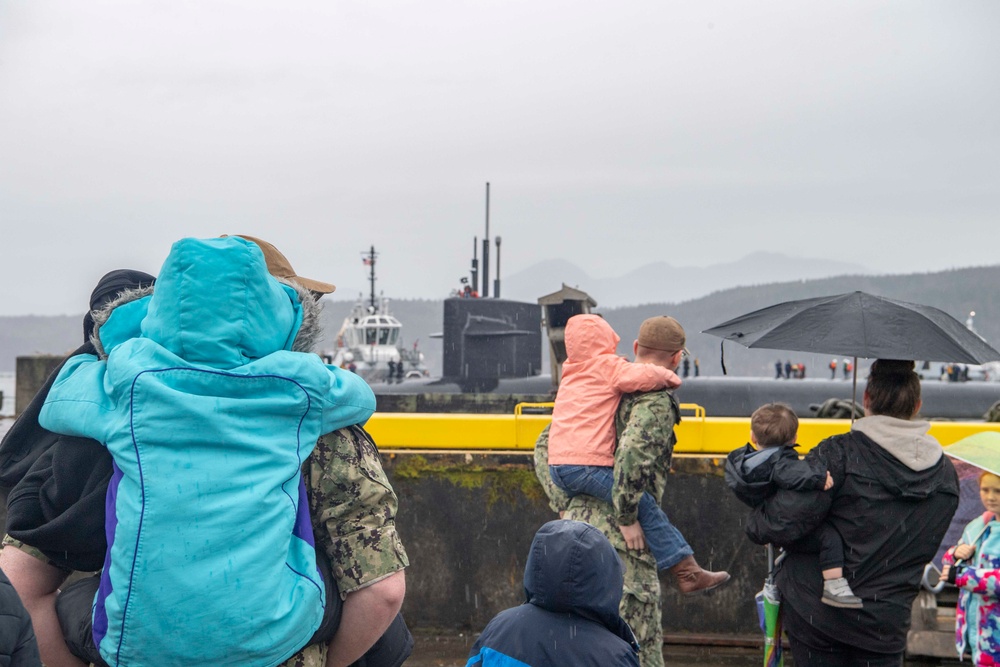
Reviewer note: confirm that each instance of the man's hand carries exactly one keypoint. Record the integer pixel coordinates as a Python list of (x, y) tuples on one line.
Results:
[(964, 551), (829, 481), (634, 537)]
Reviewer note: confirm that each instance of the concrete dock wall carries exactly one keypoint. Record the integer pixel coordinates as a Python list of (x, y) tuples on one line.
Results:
[(31, 373), (467, 521)]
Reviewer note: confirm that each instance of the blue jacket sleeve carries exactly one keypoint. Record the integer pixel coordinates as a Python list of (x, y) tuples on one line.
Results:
[(349, 400), (79, 402)]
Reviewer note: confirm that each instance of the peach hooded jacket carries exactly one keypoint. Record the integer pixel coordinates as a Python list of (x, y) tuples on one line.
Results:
[(593, 381)]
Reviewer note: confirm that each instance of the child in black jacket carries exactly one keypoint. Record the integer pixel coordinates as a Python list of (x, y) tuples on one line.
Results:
[(770, 465)]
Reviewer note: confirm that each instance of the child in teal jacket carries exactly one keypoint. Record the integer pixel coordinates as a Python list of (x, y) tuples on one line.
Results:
[(204, 394)]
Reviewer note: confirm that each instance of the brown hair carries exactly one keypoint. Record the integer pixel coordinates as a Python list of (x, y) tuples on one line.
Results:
[(774, 424), (893, 388)]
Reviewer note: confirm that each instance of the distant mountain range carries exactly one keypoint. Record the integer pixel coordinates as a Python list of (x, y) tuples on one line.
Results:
[(957, 292), (661, 282)]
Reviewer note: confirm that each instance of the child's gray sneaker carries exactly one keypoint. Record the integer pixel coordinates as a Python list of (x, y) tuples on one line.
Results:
[(838, 593)]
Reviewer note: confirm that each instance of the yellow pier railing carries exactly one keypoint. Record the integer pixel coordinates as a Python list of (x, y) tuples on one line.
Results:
[(697, 434)]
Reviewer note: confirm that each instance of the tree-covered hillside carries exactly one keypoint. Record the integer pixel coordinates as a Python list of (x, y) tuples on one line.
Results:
[(957, 292)]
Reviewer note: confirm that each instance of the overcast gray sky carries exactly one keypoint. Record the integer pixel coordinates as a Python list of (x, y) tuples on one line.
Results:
[(613, 134)]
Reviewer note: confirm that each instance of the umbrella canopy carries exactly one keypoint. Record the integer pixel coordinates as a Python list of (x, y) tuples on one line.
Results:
[(981, 450), (859, 325)]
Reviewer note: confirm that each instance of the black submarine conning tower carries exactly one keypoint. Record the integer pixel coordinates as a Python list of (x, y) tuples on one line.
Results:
[(557, 308), (488, 338)]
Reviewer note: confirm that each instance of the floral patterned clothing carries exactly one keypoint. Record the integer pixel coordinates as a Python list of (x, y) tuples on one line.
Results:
[(977, 617)]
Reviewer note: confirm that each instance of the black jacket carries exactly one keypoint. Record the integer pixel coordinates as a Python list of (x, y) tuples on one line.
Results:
[(18, 647), (60, 483), (891, 515), (756, 475), (57, 503), (573, 582)]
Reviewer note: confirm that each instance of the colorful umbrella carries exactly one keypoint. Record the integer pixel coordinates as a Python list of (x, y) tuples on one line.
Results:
[(769, 614), (981, 450)]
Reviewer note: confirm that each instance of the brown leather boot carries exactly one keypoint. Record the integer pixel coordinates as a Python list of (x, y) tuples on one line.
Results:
[(692, 579)]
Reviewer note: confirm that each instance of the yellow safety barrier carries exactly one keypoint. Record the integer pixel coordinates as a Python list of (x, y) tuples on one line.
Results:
[(697, 434)]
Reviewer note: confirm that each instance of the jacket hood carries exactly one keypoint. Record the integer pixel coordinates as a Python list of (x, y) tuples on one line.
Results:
[(573, 568), (588, 336), (214, 304), (906, 440), (741, 464), (897, 463)]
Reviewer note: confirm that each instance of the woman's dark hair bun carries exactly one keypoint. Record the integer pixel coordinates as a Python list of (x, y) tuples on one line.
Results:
[(892, 367)]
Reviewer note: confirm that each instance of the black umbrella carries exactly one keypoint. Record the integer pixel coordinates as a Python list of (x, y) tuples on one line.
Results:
[(859, 325)]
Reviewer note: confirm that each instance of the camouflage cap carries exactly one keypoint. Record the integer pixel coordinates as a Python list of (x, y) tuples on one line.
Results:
[(662, 333)]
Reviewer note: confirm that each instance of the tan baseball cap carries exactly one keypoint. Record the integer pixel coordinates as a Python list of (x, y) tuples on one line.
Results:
[(662, 333), (279, 266)]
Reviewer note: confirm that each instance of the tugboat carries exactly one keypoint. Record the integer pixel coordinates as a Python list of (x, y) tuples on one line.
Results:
[(369, 342)]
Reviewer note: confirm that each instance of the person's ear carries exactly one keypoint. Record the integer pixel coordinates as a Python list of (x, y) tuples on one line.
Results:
[(635, 348), (920, 404)]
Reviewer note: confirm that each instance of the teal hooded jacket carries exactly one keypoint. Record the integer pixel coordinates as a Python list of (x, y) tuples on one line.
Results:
[(209, 409)]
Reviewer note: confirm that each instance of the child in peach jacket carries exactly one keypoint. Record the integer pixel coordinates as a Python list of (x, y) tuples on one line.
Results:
[(594, 378)]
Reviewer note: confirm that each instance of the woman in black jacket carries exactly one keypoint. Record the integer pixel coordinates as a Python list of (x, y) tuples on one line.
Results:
[(893, 497)]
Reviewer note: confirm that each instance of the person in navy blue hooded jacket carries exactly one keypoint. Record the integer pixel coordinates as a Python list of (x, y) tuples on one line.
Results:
[(573, 584)]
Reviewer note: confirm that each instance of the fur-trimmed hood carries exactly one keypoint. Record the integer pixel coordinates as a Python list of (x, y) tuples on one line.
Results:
[(213, 304)]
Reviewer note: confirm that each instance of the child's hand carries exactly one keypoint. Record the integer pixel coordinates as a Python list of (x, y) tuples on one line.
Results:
[(964, 551), (634, 537), (829, 481), (945, 571)]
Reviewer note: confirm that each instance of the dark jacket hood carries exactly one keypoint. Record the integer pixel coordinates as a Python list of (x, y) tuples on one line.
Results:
[(873, 461), (741, 466), (572, 568)]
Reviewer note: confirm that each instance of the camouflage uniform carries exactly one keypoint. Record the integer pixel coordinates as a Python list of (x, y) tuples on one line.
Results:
[(353, 509), (645, 424)]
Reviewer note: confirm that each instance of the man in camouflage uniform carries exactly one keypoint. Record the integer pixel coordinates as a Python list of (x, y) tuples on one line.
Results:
[(645, 427), (640, 605), (353, 510)]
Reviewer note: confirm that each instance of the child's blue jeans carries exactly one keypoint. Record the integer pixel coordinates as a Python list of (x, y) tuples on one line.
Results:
[(664, 540)]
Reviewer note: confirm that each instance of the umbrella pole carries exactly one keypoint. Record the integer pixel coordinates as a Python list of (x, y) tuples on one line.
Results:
[(854, 394)]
